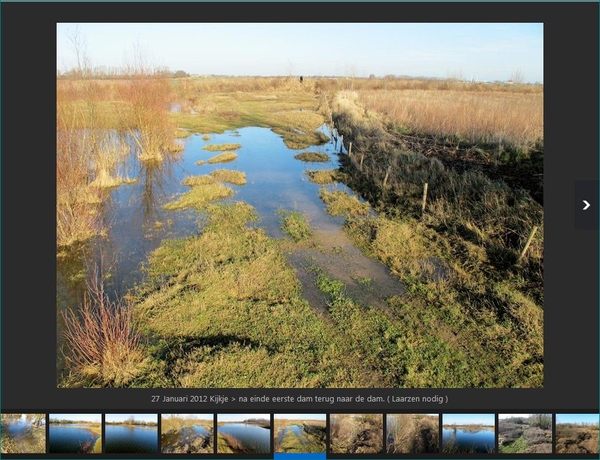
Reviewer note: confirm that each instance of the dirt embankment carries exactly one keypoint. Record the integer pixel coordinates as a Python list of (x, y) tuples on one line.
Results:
[(576, 440)]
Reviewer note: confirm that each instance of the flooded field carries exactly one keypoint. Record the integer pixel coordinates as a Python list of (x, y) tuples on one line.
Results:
[(243, 438), (273, 180), (231, 242), (304, 435), (188, 435), (23, 433), (480, 440)]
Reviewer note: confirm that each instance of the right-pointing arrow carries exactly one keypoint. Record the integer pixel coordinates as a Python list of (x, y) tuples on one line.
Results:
[(587, 205)]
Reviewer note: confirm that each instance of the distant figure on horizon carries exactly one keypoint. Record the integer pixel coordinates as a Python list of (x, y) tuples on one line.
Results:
[(301, 79)]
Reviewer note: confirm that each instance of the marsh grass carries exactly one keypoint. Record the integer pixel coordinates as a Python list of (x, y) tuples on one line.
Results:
[(224, 308), (222, 147), (178, 435), (203, 191), (479, 117), (314, 157), (295, 224), (229, 176), (457, 259), (221, 158), (281, 104), (182, 133), (324, 176), (356, 433), (413, 433), (312, 437), (227, 444), (340, 203)]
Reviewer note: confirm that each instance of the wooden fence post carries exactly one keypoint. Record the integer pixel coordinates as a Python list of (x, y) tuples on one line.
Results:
[(424, 197), (350, 149), (531, 235), (387, 175), (341, 143)]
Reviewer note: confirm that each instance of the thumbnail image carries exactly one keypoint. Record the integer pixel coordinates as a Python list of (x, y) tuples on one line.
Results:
[(131, 434), (577, 433), (360, 212), (300, 433), (75, 434), (525, 433), (23, 434), (356, 433), (468, 433), (187, 433), (412, 433), (244, 433)]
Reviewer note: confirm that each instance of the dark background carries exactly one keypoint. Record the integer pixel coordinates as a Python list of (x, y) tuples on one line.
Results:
[(28, 204)]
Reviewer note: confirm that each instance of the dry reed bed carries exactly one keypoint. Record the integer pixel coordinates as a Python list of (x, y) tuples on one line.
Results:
[(479, 117), (413, 433)]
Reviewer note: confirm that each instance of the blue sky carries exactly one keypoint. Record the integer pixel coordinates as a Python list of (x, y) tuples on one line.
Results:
[(501, 416), (300, 416), (578, 418), (484, 52), (138, 417), (94, 418), (240, 417), (194, 416), (468, 419)]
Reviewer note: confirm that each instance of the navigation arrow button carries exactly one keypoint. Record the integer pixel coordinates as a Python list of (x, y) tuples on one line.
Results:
[(587, 205)]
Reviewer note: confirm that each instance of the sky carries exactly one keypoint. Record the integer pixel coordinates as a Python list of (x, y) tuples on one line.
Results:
[(94, 418), (501, 416), (468, 419), (300, 416), (578, 418), (471, 51), (240, 417), (194, 416), (138, 417)]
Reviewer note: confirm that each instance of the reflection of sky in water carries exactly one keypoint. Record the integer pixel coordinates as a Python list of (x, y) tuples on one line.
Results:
[(275, 180)]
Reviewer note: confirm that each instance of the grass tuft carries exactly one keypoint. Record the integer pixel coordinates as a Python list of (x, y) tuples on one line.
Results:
[(204, 190), (314, 157), (222, 147), (295, 224), (324, 176), (227, 175), (340, 203), (222, 158)]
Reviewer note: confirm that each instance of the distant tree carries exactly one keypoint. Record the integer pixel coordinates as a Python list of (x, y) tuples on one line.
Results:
[(180, 74), (517, 77), (372, 76), (543, 421)]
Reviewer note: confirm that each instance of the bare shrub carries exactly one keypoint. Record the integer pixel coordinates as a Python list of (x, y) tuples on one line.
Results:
[(105, 348)]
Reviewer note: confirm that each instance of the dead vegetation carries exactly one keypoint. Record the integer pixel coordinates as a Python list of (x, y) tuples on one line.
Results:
[(576, 439), (356, 433), (412, 434)]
